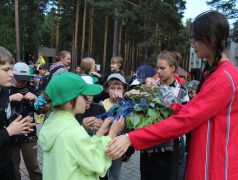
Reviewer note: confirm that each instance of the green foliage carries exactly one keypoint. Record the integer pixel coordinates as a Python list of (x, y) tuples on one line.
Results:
[(145, 116), (230, 10)]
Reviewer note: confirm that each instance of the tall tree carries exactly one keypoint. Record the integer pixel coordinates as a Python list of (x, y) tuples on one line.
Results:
[(37, 30), (105, 46), (115, 40), (57, 30), (17, 32), (83, 35)]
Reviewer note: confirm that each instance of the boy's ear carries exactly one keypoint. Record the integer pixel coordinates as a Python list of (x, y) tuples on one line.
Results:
[(173, 68)]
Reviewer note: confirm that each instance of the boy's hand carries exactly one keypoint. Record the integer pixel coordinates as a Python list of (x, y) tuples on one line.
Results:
[(16, 97), (97, 124), (117, 96), (30, 96), (117, 126), (19, 126), (126, 158), (87, 122), (129, 93), (36, 80), (105, 127)]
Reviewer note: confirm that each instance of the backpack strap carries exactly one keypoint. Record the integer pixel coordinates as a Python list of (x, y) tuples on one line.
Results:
[(55, 69)]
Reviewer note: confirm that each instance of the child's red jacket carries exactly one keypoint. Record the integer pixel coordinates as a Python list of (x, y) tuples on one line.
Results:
[(212, 116)]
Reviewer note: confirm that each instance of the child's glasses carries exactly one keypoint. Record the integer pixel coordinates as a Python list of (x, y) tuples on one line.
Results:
[(193, 42)]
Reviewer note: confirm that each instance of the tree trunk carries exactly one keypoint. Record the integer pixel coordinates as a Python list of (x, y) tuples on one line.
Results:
[(133, 59), (83, 35), (57, 30), (125, 58), (74, 63), (91, 36), (137, 53), (115, 40), (119, 44), (52, 37), (89, 31), (17, 30), (105, 47), (37, 32), (146, 46)]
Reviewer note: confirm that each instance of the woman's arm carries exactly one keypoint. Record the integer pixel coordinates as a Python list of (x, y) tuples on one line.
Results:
[(204, 106)]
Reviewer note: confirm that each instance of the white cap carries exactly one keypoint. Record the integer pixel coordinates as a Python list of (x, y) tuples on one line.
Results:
[(21, 72)]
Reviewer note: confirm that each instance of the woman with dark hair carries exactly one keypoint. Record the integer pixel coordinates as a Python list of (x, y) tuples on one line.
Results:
[(211, 115)]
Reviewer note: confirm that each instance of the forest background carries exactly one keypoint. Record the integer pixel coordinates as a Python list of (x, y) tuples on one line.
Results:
[(137, 30)]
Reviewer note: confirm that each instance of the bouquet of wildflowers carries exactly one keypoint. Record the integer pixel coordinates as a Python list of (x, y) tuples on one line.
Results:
[(142, 109)]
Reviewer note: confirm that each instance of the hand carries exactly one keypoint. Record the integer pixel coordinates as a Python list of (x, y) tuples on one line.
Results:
[(36, 80), (16, 97), (87, 122), (96, 74), (97, 124), (117, 126), (126, 158), (105, 127), (19, 126), (119, 146), (30, 96), (117, 96), (129, 93)]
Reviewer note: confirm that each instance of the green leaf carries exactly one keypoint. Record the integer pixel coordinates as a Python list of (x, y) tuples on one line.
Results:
[(152, 104), (135, 119), (151, 112), (156, 100), (137, 108)]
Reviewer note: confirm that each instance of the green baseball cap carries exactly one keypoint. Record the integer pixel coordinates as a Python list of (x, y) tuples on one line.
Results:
[(65, 87)]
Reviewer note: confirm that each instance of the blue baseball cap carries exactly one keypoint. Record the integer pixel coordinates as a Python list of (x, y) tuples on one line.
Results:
[(142, 73)]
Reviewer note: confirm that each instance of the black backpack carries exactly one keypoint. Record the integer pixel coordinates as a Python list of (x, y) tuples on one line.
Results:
[(46, 79)]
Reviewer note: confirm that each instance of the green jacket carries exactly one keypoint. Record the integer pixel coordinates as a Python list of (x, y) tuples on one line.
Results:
[(69, 152)]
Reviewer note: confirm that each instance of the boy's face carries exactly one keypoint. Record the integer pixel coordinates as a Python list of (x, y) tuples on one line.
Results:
[(6, 74), (39, 55), (42, 72), (89, 100), (150, 81), (19, 84), (192, 93), (115, 88)]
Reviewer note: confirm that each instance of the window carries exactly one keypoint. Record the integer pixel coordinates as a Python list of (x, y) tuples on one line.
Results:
[(236, 60), (197, 64), (229, 45)]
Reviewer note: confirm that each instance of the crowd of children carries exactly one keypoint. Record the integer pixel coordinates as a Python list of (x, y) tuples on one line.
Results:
[(77, 145)]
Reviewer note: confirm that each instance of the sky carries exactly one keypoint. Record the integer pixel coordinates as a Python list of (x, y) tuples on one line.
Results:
[(196, 7)]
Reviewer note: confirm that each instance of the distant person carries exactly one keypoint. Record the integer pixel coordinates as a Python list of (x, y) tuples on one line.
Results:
[(192, 88), (42, 71), (63, 59), (41, 59), (77, 70), (31, 65)]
